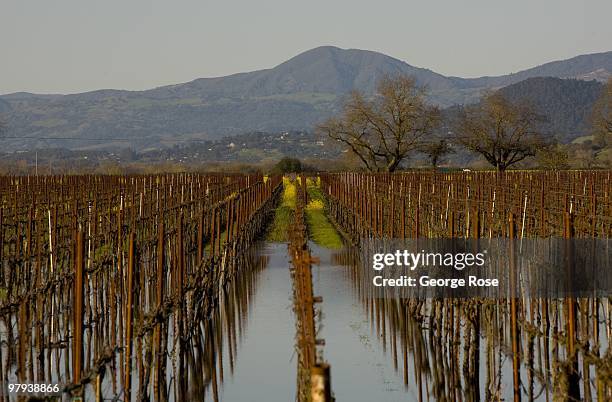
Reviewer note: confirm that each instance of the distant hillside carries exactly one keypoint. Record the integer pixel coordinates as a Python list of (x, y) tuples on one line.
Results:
[(321, 70), (597, 66), (567, 104), (294, 95), (4, 106)]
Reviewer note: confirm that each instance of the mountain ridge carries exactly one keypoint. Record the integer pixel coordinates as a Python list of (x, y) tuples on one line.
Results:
[(294, 95), (503, 79)]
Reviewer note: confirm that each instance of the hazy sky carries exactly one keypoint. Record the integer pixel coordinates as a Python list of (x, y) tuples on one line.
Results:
[(64, 46)]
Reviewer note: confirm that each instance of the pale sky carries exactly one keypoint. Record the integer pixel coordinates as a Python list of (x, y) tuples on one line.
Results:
[(67, 46)]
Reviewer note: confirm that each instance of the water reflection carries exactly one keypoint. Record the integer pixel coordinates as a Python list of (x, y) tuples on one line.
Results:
[(182, 355), (218, 338), (381, 349), (461, 349), (261, 365)]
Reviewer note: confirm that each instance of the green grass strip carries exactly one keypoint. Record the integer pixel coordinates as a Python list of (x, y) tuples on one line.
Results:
[(321, 230), (283, 215)]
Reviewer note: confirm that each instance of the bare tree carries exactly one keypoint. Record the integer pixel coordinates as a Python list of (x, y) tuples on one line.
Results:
[(436, 151), (384, 130), (503, 132)]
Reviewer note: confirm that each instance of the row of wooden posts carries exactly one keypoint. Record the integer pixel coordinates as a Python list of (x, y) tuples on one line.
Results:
[(416, 205), (314, 374), (108, 276)]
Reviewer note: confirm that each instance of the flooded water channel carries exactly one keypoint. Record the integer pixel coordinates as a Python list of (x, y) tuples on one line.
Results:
[(264, 366), (381, 350)]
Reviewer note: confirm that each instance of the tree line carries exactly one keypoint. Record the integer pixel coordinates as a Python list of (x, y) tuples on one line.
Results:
[(385, 130)]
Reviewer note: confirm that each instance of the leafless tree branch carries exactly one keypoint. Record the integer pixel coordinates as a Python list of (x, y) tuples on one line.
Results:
[(504, 133), (382, 131)]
